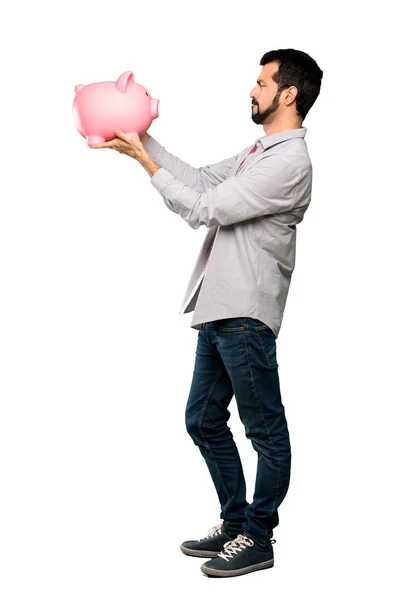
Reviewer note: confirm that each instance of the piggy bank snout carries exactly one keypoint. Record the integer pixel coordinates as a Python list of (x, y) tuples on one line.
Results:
[(154, 108)]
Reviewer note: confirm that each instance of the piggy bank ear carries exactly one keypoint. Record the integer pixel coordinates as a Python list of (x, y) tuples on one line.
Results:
[(123, 80), (78, 87)]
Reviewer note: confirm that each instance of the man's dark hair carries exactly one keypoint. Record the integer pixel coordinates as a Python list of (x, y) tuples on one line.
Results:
[(299, 69)]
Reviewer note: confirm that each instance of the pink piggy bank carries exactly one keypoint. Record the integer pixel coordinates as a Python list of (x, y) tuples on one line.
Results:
[(101, 108)]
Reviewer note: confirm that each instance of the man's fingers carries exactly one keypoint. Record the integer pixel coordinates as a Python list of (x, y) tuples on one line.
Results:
[(103, 145), (121, 143), (115, 143), (121, 135)]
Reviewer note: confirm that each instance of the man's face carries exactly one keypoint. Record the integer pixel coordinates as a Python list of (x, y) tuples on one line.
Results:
[(265, 99)]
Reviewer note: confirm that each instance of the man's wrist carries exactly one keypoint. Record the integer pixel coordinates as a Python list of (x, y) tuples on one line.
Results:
[(148, 163)]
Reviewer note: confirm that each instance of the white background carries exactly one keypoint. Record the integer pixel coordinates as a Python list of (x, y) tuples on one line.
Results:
[(100, 482)]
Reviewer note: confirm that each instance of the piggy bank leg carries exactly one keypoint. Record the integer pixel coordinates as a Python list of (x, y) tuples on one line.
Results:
[(134, 134), (95, 139)]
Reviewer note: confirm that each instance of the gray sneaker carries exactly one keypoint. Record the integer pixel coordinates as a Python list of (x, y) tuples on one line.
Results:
[(209, 546)]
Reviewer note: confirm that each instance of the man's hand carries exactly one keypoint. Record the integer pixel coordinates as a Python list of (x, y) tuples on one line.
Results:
[(133, 147), (124, 144)]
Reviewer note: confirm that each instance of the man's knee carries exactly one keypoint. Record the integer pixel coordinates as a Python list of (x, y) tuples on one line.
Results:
[(192, 424)]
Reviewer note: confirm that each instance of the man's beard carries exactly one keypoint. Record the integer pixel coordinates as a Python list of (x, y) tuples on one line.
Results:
[(259, 117)]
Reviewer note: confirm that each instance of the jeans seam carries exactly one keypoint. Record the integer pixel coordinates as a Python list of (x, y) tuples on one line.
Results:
[(219, 373), (267, 354), (255, 392)]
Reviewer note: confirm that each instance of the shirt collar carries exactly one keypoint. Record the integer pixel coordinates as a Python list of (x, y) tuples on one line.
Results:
[(270, 140)]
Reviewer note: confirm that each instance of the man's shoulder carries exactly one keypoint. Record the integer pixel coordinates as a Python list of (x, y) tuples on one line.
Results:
[(293, 151)]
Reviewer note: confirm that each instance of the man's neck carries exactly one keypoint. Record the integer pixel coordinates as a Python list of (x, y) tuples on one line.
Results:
[(272, 128)]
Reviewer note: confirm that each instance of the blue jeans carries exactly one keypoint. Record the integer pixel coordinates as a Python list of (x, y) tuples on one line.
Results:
[(237, 356)]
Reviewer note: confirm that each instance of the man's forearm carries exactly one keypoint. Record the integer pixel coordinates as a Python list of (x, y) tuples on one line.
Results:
[(148, 163), (144, 138)]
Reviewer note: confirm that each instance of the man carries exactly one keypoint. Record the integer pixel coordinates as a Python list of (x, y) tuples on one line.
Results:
[(251, 203)]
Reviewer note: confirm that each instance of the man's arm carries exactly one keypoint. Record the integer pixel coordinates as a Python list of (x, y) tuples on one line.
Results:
[(144, 138), (199, 179), (148, 163), (272, 186)]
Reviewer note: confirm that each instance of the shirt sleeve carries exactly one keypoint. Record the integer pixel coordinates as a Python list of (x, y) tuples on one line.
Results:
[(271, 186), (199, 179)]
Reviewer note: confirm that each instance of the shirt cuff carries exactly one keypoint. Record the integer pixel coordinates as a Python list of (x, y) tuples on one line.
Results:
[(160, 179)]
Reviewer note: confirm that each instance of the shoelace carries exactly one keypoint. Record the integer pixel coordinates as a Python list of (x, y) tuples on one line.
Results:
[(213, 531), (237, 545)]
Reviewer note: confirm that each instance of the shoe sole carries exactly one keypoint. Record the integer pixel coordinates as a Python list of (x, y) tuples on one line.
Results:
[(221, 573), (201, 553)]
